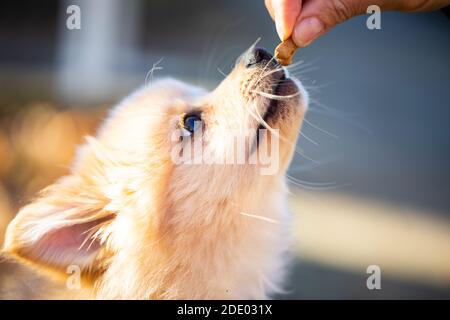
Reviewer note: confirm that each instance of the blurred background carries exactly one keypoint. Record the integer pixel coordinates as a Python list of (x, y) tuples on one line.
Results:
[(374, 186)]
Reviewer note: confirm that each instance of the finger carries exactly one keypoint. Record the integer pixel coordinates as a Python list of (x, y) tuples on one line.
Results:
[(286, 13), (269, 7), (317, 17)]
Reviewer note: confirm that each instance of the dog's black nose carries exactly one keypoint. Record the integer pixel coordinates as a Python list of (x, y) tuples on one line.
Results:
[(257, 55)]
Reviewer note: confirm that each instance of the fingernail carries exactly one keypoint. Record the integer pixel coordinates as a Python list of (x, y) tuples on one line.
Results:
[(307, 31), (279, 25)]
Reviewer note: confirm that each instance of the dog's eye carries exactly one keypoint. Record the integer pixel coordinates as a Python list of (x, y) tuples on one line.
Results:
[(191, 122)]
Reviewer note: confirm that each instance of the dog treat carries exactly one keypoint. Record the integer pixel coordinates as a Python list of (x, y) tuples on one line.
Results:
[(285, 51)]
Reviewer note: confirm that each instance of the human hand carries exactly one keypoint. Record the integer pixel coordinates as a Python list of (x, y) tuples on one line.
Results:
[(306, 20)]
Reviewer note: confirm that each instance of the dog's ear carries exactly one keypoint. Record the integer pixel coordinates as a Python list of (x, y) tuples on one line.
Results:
[(67, 225)]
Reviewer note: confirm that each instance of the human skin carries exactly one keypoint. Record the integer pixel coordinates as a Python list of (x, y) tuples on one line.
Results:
[(307, 20)]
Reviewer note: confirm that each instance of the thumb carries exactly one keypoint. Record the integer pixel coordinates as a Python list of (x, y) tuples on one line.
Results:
[(285, 14), (317, 17)]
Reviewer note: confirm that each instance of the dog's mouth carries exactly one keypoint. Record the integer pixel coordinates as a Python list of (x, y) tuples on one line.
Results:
[(273, 104), (281, 89), (285, 87)]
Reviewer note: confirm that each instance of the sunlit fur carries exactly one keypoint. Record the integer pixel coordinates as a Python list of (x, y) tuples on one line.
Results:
[(141, 227)]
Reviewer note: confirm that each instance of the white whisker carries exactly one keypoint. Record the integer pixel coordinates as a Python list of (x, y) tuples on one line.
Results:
[(320, 129), (259, 217), (222, 73), (309, 139), (152, 70), (274, 96), (315, 186)]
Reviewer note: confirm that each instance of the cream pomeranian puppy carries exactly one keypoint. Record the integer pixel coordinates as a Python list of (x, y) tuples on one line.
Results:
[(142, 225)]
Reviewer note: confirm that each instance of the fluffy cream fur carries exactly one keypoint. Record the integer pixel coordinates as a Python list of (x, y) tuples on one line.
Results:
[(141, 227)]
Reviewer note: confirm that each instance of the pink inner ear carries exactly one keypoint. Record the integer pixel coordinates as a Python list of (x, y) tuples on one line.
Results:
[(70, 238), (69, 245)]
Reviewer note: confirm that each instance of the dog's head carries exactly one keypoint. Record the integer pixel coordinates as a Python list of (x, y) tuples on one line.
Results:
[(170, 162)]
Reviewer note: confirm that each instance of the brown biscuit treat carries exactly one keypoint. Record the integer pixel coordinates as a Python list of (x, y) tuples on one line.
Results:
[(285, 51)]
